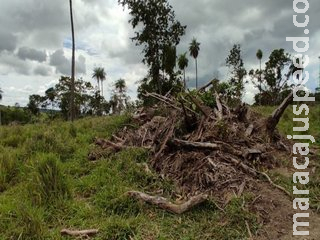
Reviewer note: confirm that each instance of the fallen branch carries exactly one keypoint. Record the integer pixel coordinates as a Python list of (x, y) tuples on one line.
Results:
[(106, 143), (88, 232), (188, 144), (166, 204)]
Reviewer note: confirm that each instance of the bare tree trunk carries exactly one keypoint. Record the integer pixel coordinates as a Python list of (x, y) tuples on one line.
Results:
[(72, 104), (196, 74), (274, 119), (184, 78), (101, 88)]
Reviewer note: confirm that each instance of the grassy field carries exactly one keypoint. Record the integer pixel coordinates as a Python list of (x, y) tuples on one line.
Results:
[(47, 183)]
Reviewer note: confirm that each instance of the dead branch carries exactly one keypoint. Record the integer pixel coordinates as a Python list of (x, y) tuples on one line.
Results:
[(275, 185), (187, 144), (166, 139), (219, 106), (203, 108), (103, 143), (166, 204), (88, 232), (161, 98), (249, 130), (274, 119), (205, 86), (243, 166)]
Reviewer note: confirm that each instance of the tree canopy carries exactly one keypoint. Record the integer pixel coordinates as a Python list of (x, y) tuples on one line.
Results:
[(158, 31)]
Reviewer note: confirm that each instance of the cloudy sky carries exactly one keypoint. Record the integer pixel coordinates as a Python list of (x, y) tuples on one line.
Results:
[(35, 40)]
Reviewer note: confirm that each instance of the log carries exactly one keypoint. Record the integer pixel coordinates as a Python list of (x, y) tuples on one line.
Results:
[(274, 119), (166, 204), (88, 232), (188, 144)]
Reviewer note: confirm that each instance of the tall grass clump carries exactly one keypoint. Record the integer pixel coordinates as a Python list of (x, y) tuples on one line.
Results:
[(8, 169), (49, 184)]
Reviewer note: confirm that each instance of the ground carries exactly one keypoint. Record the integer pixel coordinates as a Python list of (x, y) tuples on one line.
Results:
[(88, 194)]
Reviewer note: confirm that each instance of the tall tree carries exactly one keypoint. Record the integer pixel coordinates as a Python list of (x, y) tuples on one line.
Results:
[(158, 29), (51, 95), (194, 49), (183, 64), (119, 97), (276, 79), (259, 56), (235, 63), (100, 75), (72, 100)]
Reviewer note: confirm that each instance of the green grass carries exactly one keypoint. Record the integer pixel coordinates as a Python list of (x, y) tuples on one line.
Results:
[(47, 183)]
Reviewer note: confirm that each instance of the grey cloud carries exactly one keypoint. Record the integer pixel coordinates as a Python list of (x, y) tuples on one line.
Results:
[(14, 65), (7, 41), (58, 60), (63, 64), (81, 65), (42, 70), (32, 54)]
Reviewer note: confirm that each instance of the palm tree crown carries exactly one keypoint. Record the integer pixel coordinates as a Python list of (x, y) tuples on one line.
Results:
[(120, 85), (100, 75), (183, 64), (194, 49)]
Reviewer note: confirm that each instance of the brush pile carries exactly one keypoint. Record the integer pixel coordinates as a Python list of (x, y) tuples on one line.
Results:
[(212, 150)]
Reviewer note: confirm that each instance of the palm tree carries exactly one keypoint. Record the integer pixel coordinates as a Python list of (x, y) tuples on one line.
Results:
[(50, 95), (259, 56), (100, 75), (120, 86), (183, 64), (194, 49), (72, 106)]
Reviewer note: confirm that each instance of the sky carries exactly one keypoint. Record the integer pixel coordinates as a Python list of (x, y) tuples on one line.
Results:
[(35, 41)]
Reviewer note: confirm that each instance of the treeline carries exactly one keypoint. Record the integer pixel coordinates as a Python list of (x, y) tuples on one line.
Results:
[(55, 103)]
